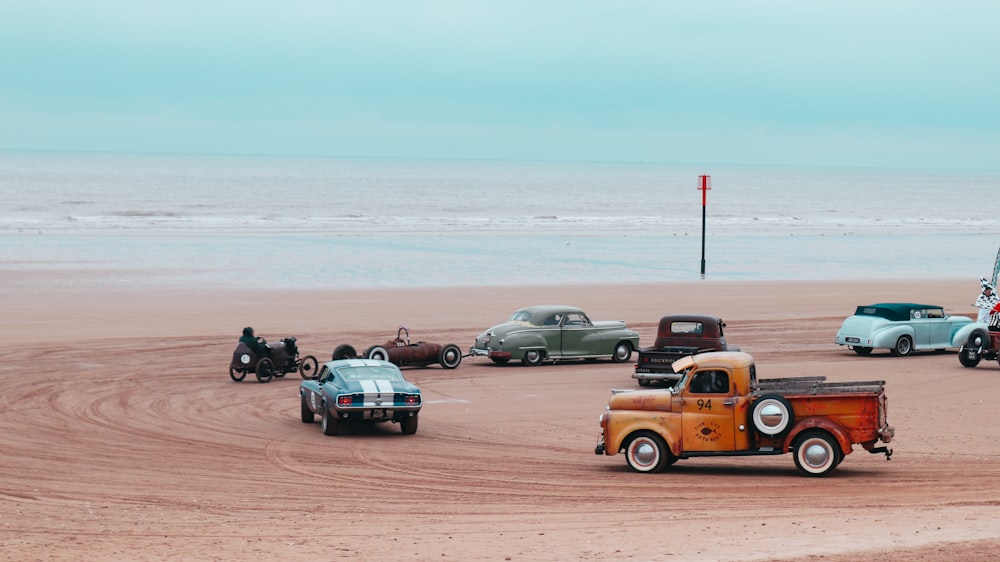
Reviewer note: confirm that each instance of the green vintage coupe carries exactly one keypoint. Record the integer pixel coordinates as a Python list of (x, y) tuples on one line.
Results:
[(555, 332)]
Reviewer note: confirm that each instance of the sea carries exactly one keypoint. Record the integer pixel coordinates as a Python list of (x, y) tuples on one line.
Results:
[(318, 222)]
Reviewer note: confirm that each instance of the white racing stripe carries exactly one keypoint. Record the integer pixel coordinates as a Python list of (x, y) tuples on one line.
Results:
[(374, 388)]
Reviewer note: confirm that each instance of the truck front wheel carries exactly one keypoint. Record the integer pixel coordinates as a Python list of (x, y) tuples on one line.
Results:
[(816, 453), (647, 452)]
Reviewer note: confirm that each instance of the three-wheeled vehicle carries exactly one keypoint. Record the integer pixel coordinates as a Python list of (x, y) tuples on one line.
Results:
[(283, 358)]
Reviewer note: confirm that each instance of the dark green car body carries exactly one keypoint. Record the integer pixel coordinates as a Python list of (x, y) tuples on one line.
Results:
[(555, 332)]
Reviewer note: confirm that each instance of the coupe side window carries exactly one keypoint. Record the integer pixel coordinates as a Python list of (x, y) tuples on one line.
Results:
[(324, 373)]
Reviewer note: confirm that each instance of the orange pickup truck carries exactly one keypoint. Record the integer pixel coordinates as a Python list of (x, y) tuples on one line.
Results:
[(720, 408)]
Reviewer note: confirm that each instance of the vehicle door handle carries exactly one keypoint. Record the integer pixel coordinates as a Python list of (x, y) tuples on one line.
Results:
[(729, 402)]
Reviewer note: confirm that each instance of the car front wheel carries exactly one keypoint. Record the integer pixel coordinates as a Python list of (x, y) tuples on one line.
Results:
[(307, 414), (533, 357)]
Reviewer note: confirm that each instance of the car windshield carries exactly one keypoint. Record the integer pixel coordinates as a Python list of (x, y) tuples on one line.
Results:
[(369, 372)]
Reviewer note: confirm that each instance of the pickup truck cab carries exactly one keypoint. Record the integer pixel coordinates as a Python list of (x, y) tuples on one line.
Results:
[(678, 335), (720, 408)]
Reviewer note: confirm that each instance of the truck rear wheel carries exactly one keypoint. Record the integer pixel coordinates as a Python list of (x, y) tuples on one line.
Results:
[(647, 452), (817, 453)]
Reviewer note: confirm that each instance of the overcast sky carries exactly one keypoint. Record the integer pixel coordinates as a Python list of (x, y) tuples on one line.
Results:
[(848, 83)]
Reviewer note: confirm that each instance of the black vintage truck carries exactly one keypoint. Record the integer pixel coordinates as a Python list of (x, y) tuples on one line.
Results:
[(679, 335)]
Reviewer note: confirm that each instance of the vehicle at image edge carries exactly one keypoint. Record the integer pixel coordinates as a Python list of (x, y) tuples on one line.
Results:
[(553, 333), (900, 327), (678, 335), (284, 359), (719, 408), (401, 352), (360, 391), (980, 341)]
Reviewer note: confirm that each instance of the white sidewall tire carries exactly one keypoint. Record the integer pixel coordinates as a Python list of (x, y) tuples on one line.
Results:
[(771, 415)]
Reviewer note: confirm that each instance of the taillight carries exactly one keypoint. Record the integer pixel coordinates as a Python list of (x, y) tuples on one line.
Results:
[(345, 400), (411, 400)]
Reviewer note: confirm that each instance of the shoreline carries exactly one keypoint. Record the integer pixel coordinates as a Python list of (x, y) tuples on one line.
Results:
[(74, 311)]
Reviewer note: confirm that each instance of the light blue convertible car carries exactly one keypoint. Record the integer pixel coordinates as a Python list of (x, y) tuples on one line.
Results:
[(900, 327)]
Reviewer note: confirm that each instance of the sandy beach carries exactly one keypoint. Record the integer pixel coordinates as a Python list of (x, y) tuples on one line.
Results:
[(124, 438)]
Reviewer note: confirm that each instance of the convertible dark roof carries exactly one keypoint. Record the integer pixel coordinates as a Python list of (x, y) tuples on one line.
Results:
[(895, 311)]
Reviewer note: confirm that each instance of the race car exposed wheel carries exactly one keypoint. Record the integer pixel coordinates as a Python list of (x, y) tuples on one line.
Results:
[(344, 351), (500, 360), (409, 425), (771, 415), (646, 451), (329, 423), (817, 453), (903, 347), (237, 374), (862, 350), (265, 370), (450, 356), (622, 353), (309, 367), (377, 352), (307, 414), (969, 356), (533, 357)]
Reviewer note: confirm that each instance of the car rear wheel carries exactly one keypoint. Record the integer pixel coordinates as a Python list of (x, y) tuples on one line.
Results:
[(309, 367), (450, 356), (862, 350), (623, 352), (307, 414), (409, 425), (903, 347), (265, 370), (533, 357), (329, 423)]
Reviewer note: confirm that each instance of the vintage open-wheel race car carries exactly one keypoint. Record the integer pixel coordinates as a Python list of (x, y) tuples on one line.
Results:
[(401, 352), (284, 358)]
